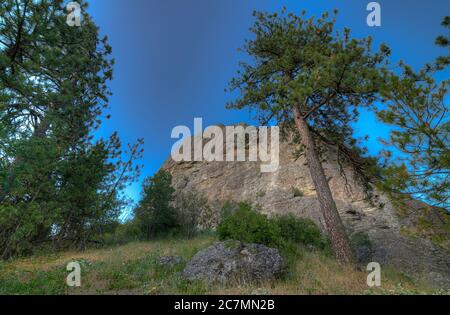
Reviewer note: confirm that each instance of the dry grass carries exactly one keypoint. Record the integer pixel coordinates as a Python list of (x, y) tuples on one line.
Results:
[(319, 274), (124, 253), (131, 269), (45, 262)]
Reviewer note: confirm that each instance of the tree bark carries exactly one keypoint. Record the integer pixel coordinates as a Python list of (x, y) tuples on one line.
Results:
[(333, 223)]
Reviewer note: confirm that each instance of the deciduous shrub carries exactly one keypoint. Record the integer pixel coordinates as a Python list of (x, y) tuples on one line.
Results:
[(300, 230), (249, 226)]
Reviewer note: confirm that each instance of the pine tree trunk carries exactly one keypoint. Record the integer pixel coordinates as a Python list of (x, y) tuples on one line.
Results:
[(333, 223)]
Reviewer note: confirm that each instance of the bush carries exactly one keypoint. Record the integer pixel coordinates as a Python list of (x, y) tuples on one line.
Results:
[(227, 209), (249, 226), (300, 230), (190, 208)]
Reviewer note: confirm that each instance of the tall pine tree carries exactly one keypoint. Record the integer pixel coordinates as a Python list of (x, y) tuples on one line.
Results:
[(301, 70), (56, 183)]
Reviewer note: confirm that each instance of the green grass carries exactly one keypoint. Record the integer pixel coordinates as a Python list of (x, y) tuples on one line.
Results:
[(133, 269)]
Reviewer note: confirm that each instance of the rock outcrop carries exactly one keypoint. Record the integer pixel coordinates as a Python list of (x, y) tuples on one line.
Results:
[(395, 232), (234, 262)]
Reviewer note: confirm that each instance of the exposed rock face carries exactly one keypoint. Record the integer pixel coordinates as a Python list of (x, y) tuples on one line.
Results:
[(232, 261), (370, 212)]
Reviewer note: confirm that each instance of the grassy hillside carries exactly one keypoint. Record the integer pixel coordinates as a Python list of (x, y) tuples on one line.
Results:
[(133, 269)]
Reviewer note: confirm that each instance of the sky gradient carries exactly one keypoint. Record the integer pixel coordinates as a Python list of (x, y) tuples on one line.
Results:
[(175, 57)]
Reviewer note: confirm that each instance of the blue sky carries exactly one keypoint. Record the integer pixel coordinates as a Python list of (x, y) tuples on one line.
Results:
[(175, 57)]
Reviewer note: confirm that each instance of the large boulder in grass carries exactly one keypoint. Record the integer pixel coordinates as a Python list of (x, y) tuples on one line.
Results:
[(235, 262)]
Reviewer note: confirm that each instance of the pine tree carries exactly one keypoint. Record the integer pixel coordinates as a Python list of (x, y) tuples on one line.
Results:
[(416, 105), (56, 183), (302, 71), (155, 212)]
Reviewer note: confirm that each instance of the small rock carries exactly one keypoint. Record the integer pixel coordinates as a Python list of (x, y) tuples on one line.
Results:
[(170, 261), (260, 291)]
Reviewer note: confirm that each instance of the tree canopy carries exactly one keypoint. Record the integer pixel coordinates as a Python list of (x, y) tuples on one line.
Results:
[(58, 184), (415, 104)]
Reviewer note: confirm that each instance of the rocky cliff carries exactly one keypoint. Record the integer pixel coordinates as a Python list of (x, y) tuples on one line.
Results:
[(412, 236)]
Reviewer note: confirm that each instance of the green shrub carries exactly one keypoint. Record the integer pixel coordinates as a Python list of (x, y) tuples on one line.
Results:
[(300, 231), (249, 226), (228, 208)]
